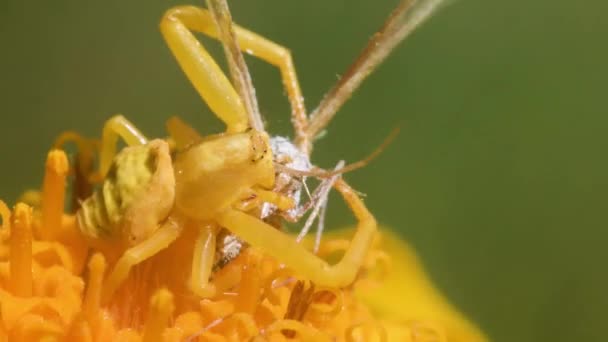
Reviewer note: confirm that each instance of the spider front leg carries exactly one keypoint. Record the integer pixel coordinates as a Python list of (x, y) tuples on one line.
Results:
[(284, 248), (194, 59), (159, 240), (202, 70)]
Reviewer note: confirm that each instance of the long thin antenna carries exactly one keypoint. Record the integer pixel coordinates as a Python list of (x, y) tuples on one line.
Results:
[(325, 186), (320, 173), (408, 15), (236, 63)]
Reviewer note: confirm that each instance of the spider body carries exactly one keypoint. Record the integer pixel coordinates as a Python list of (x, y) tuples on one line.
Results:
[(227, 186), (214, 174), (144, 185), (136, 194)]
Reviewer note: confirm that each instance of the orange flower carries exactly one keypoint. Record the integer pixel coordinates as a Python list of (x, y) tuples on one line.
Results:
[(50, 289)]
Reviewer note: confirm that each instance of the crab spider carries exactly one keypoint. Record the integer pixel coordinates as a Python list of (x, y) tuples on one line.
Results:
[(148, 197), (204, 182)]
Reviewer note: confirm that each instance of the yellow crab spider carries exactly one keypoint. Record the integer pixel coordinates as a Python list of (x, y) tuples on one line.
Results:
[(147, 197)]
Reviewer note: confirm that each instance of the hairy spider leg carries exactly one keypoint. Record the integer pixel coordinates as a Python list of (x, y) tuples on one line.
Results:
[(284, 248), (201, 20)]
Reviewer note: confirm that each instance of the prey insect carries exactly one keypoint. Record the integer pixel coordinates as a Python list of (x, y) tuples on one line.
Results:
[(238, 181)]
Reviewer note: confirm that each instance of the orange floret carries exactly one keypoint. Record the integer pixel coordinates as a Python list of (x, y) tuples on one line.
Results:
[(51, 285)]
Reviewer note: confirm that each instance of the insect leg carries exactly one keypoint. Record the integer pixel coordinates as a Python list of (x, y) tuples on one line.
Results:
[(200, 20), (319, 203), (159, 240), (404, 19), (283, 247)]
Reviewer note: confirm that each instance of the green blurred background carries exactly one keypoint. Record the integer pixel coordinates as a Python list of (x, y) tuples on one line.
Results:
[(499, 178)]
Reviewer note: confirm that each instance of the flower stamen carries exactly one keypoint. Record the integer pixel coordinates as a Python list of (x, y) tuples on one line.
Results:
[(161, 311), (53, 193), (21, 251)]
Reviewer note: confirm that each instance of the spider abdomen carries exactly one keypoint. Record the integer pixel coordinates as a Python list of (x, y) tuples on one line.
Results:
[(136, 194)]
